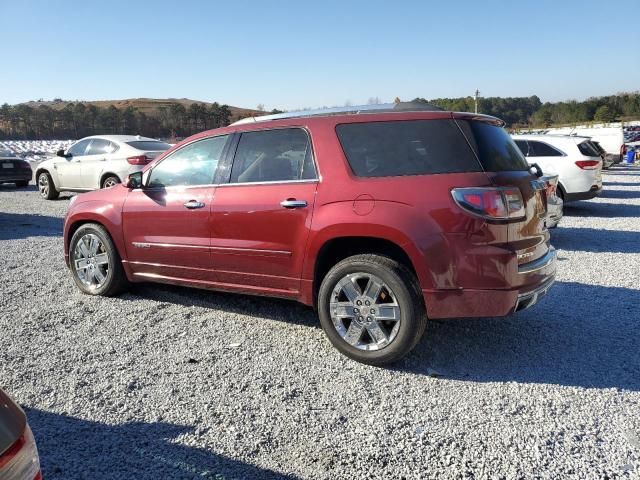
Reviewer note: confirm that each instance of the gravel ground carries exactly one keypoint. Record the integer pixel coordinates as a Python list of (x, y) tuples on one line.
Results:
[(168, 382)]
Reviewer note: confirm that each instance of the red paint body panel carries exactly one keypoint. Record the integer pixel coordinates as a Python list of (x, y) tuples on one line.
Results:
[(244, 241)]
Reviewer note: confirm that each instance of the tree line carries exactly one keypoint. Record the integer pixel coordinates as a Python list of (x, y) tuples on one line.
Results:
[(531, 112), (78, 119)]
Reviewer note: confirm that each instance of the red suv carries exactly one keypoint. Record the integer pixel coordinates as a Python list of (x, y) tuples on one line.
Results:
[(379, 217)]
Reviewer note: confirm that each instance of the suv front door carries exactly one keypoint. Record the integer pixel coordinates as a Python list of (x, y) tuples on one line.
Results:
[(261, 217), (167, 222)]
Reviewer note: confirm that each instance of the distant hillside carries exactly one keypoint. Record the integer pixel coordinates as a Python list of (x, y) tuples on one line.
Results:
[(149, 106), (170, 118)]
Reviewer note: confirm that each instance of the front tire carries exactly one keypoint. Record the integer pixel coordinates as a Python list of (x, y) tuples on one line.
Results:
[(95, 263), (110, 181), (371, 309), (46, 187)]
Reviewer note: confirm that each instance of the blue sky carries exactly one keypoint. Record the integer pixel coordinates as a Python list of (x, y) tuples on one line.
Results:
[(297, 54)]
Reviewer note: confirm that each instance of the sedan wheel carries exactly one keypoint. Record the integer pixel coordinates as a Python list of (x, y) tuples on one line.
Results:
[(110, 182), (46, 187)]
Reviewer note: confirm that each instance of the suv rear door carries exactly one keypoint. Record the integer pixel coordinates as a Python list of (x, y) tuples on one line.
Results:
[(261, 216)]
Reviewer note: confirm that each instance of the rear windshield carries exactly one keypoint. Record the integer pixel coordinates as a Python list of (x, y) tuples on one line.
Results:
[(494, 146), (412, 147), (150, 145)]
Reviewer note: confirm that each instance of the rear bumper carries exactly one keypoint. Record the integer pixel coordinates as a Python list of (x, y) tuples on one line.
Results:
[(593, 192), (17, 176), (537, 278)]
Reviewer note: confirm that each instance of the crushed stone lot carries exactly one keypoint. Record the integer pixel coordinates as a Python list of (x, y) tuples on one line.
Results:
[(168, 382)]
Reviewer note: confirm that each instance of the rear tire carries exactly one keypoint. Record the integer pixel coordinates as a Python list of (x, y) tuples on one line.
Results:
[(95, 263), (110, 181), (358, 322), (46, 187)]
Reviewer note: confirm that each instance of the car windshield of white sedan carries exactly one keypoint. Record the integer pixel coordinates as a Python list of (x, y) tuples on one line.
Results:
[(194, 164)]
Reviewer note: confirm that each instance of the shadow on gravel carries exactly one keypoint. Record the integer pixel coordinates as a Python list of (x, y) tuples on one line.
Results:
[(601, 210), (578, 335), (595, 240), (21, 225), (74, 448), (624, 194), (620, 184), (11, 186), (254, 306)]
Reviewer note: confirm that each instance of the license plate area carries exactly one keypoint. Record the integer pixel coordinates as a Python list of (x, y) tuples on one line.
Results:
[(7, 165)]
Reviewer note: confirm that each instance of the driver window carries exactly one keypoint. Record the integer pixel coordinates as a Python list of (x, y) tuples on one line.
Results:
[(194, 164), (79, 148)]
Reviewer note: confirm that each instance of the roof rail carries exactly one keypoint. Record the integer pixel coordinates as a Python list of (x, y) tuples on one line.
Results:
[(354, 110)]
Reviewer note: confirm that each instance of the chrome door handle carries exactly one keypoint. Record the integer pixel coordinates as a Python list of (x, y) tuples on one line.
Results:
[(293, 203), (192, 204)]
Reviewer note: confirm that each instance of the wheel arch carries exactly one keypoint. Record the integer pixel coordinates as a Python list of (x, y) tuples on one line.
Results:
[(337, 248)]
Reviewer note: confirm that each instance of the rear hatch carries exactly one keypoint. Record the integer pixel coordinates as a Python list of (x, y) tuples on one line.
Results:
[(506, 166)]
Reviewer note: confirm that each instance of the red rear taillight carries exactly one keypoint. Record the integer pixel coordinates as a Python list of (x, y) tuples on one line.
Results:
[(21, 460), (494, 203), (588, 164), (139, 160)]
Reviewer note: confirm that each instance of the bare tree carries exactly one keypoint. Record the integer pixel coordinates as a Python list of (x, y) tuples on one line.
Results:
[(260, 107)]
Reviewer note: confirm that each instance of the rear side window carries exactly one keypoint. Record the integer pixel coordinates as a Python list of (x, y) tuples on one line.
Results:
[(100, 146), (149, 145), (273, 156), (541, 149), (414, 147), (494, 147), (523, 146)]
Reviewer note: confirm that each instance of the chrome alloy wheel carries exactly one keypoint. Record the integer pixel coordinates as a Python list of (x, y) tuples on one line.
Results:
[(364, 311), (43, 185), (91, 261)]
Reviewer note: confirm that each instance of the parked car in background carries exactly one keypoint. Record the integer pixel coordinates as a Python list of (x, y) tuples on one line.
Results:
[(555, 205), (96, 162), (18, 452), (14, 170), (574, 159), (607, 161), (610, 138), (374, 215)]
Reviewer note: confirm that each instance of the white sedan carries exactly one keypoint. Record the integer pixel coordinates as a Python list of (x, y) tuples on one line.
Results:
[(96, 162)]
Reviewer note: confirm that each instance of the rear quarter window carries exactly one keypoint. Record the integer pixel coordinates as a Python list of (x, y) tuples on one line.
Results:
[(409, 147), (494, 147)]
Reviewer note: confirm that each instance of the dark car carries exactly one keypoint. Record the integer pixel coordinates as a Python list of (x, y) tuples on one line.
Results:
[(375, 216), (18, 452), (15, 170)]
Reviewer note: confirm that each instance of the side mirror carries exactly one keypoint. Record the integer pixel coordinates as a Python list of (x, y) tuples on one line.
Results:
[(60, 153), (134, 180)]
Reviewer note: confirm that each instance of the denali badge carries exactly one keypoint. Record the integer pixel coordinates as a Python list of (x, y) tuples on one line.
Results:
[(141, 245), (525, 255)]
